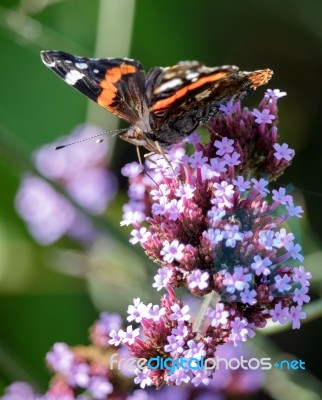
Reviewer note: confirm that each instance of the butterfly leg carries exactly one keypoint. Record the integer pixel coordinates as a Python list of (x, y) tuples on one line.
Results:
[(160, 150), (139, 156), (143, 166), (156, 145)]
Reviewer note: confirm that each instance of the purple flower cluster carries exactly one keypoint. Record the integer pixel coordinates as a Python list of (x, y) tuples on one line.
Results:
[(208, 218), (81, 171), (84, 372), (81, 372), (20, 391), (168, 332), (78, 369)]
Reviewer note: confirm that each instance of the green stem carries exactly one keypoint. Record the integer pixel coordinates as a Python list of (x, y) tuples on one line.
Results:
[(28, 31), (198, 323), (113, 39)]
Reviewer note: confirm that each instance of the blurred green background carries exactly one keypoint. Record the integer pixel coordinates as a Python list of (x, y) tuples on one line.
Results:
[(54, 293)]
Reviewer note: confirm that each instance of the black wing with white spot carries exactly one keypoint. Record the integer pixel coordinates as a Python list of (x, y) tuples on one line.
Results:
[(117, 84)]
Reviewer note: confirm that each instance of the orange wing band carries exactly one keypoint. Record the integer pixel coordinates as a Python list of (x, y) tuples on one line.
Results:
[(164, 103), (113, 76)]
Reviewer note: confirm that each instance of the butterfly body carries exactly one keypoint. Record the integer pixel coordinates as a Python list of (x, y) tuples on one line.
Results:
[(163, 106)]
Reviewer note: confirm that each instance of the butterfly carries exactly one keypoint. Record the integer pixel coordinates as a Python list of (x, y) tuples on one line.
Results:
[(163, 106)]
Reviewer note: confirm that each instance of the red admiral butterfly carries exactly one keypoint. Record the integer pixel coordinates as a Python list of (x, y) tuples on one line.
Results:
[(163, 106)]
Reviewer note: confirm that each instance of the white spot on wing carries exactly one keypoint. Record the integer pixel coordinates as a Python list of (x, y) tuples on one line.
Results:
[(81, 65), (96, 71), (192, 75), (168, 85), (73, 76), (129, 59)]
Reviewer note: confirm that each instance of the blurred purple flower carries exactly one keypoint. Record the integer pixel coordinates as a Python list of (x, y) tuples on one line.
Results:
[(239, 381), (60, 358), (93, 189), (48, 214), (64, 164), (81, 171), (20, 391)]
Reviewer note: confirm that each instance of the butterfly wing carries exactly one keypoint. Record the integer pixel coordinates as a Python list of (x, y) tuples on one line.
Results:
[(191, 89), (117, 84)]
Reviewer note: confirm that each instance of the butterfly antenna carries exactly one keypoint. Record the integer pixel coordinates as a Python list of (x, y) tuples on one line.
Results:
[(115, 132)]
